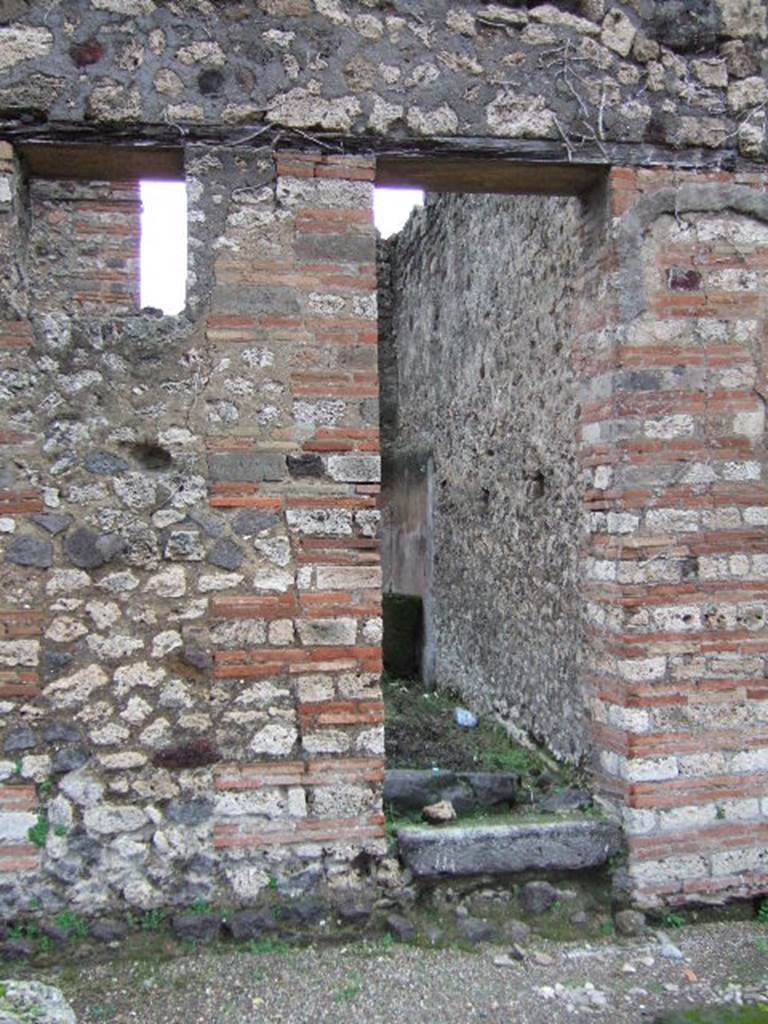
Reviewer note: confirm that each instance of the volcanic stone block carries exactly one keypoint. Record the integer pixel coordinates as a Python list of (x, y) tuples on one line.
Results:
[(30, 551), (507, 849), (407, 789), (253, 467)]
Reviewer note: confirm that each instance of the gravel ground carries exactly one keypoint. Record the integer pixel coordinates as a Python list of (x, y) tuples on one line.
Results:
[(616, 981)]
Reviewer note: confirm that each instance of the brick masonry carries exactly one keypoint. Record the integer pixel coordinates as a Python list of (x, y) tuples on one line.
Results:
[(84, 242), (673, 445), (189, 638)]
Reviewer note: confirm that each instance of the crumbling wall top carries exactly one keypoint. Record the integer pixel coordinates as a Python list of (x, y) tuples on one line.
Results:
[(577, 79)]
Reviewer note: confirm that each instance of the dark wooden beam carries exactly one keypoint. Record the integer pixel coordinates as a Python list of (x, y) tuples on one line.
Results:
[(485, 174), (100, 162)]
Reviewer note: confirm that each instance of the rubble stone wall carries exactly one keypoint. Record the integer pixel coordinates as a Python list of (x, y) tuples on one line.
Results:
[(189, 651), (591, 77)]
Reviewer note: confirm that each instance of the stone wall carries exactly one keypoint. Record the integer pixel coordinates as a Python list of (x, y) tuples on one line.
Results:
[(592, 78), (190, 627), (189, 648), (83, 246), (482, 295), (673, 439)]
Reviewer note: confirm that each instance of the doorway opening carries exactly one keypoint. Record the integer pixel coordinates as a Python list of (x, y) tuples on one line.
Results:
[(481, 295)]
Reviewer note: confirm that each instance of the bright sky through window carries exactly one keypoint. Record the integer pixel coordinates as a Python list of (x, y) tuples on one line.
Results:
[(392, 207), (164, 245)]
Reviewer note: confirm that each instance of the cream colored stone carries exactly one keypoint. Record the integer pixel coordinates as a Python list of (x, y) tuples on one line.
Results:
[(618, 32), (23, 42), (306, 108)]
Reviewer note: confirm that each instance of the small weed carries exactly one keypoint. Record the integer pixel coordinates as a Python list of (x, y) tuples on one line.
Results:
[(72, 924), (200, 907), (103, 1012), (617, 859), (260, 946), (607, 928), (60, 830), (349, 992), (761, 945), (44, 944), (17, 766), (673, 920), (38, 833), (272, 883), (762, 912), (153, 920), (44, 788)]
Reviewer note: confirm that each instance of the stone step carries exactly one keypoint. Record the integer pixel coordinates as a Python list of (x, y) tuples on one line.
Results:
[(408, 789), (508, 848)]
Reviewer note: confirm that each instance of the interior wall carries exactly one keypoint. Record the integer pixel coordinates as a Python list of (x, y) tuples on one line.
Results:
[(476, 374)]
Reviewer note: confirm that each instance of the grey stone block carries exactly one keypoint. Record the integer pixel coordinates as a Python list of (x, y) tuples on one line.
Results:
[(537, 897), (88, 550), (253, 521), (270, 301), (475, 930), (30, 551), (105, 464), (507, 849), (190, 812), (407, 789), (305, 465), (252, 924), (197, 927), (335, 248), (401, 928), (19, 739), (630, 922), (53, 663), (61, 732), (53, 522), (226, 554), (569, 800), (254, 467), (68, 760), (108, 930), (197, 657)]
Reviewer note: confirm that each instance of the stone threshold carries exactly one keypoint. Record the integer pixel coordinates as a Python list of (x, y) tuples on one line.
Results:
[(507, 849)]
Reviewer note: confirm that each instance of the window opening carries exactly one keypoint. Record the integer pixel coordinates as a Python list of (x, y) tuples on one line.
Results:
[(393, 206), (164, 245)]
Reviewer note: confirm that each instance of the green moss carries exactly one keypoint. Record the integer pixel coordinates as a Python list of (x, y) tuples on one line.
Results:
[(38, 834), (421, 733)]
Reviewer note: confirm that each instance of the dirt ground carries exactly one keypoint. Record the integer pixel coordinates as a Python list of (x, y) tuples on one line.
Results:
[(620, 981)]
